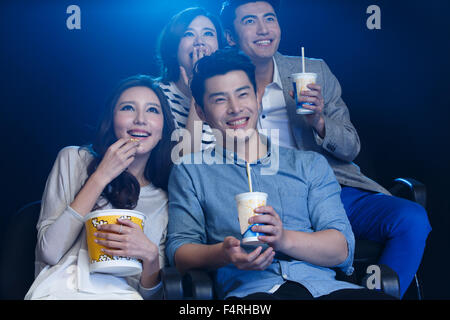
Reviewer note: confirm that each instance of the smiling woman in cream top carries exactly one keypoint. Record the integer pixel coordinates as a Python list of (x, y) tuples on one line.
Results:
[(127, 167)]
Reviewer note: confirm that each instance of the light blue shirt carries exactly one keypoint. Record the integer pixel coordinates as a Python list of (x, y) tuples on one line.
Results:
[(304, 192)]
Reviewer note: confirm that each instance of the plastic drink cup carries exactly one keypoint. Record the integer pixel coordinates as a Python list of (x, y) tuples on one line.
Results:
[(101, 262), (300, 82), (246, 204)]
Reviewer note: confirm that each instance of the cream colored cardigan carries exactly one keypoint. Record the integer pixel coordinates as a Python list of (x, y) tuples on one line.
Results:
[(61, 245)]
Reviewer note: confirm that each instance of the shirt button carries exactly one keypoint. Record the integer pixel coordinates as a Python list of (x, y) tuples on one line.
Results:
[(263, 116), (285, 276)]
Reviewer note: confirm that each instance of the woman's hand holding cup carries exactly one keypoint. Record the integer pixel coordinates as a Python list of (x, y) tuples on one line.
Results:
[(126, 239)]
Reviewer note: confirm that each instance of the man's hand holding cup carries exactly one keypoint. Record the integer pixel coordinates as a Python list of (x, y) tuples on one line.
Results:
[(269, 223), (255, 260)]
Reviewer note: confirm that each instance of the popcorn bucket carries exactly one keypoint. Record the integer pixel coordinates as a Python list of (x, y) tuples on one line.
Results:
[(101, 262)]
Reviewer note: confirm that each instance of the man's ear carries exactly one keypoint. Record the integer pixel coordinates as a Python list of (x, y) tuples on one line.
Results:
[(229, 35)]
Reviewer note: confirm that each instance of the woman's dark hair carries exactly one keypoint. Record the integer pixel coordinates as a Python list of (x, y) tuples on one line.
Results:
[(170, 38), (219, 63), (123, 191)]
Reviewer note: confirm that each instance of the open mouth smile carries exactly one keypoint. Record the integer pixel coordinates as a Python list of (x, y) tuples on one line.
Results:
[(238, 123), (263, 43), (139, 134)]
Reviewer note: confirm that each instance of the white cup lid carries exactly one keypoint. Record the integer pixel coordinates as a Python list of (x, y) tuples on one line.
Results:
[(303, 75), (251, 195), (114, 212)]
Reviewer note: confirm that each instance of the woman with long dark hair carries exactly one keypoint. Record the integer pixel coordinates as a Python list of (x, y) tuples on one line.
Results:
[(190, 35), (127, 167)]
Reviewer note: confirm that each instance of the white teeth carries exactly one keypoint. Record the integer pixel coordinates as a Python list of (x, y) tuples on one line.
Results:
[(263, 42), (139, 134), (237, 123)]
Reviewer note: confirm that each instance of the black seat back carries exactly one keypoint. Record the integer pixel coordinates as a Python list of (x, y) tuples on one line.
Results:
[(17, 254)]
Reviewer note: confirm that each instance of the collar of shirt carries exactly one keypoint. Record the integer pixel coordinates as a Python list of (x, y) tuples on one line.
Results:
[(231, 156), (276, 81), (274, 113), (273, 97)]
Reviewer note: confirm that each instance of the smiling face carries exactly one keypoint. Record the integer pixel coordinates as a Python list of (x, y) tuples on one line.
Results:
[(256, 30), (138, 115), (230, 105), (200, 34)]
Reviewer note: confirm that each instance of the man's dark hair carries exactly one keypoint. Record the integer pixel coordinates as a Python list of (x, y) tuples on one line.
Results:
[(228, 11), (219, 63)]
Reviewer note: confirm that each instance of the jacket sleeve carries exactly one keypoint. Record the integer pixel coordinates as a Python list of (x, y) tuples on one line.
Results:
[(341, 139)]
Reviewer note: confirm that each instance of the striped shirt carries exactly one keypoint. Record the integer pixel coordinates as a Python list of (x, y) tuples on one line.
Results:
[(180, 105)]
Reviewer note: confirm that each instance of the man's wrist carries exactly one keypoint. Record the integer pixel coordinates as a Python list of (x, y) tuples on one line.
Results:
[(285, 244), (320, 127), (225, 259)]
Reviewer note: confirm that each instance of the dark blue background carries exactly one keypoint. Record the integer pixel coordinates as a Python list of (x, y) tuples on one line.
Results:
[(394, 80)]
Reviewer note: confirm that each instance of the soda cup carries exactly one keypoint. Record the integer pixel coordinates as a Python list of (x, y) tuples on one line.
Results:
[(246, 204), (300, 82)]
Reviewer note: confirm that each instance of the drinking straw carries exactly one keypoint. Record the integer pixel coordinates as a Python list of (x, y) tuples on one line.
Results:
[(249, 177), (303, 59)]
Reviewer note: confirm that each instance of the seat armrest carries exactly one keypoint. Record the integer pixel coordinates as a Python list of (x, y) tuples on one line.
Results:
[(411, 189), (194, 284), (172, 283), (389, 281), (198, 285)]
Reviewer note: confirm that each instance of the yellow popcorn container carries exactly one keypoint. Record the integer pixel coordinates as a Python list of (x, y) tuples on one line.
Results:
[(101, 262)]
